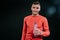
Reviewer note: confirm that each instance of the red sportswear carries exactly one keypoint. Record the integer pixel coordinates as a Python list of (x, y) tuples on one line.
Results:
[(27, 33)]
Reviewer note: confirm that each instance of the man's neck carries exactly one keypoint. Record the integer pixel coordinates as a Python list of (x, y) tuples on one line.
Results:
[(35, 14)]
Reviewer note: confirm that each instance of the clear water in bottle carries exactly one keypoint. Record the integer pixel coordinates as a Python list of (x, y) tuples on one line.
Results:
[(35, 27)]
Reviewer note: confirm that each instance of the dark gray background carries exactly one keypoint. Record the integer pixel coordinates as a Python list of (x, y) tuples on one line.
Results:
[(14, 11)]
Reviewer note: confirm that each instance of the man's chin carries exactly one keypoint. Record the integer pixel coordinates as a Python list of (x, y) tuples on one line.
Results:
[(35, 13)]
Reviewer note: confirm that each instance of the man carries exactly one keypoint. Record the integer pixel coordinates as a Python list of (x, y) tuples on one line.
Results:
[(35, 26)]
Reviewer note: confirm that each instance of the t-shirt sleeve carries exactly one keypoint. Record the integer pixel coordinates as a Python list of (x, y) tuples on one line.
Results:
[(24, 30), (46, 28)]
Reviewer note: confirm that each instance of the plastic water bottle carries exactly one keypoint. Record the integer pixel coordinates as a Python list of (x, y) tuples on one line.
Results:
[(35, 27)]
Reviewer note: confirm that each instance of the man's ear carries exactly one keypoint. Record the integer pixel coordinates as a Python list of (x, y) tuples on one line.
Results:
[(31, 8)]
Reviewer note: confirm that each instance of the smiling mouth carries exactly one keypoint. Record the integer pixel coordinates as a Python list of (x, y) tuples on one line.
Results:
[(34, 11)]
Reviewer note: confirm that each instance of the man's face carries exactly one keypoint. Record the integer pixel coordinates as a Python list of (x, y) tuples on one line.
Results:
[(35, 8)]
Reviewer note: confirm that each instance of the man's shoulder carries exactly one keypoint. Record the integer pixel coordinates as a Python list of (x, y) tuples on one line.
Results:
[(42, 16), (28, 16)]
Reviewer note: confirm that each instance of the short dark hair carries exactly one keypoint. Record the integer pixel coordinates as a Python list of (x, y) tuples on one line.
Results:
[(36, 2)]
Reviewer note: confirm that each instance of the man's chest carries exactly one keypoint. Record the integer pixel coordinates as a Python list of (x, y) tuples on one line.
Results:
[(30, 23)]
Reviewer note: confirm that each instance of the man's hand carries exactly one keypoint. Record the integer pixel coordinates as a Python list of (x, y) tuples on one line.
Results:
[(37, 32)]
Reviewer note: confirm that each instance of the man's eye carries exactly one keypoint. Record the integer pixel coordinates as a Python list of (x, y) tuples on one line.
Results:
[(37, 8), (33, 7)]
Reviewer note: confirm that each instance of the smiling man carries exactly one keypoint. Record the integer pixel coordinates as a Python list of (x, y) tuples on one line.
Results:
[(35, 26)]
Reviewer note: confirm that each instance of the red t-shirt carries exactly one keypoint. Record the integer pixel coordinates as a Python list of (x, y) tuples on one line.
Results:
[(27, 33)]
